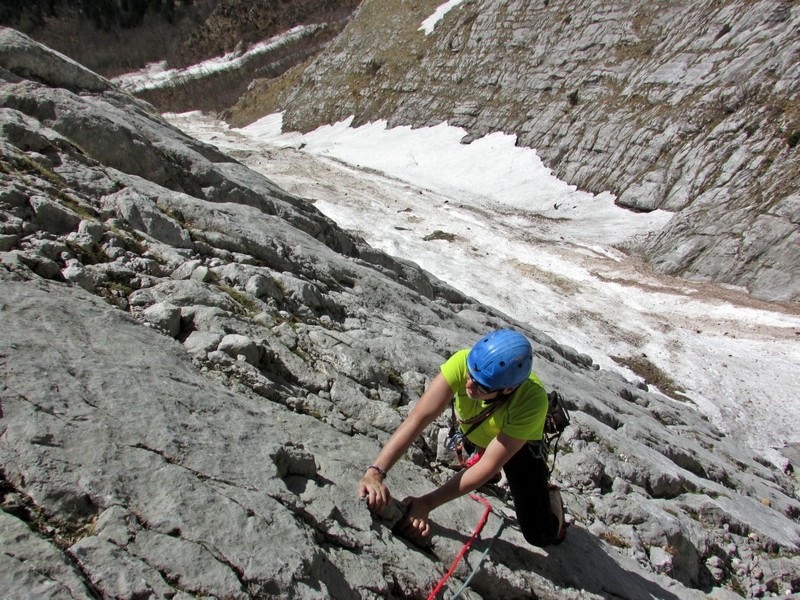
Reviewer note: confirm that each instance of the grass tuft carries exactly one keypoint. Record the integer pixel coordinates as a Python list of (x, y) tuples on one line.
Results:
[(644, 368)]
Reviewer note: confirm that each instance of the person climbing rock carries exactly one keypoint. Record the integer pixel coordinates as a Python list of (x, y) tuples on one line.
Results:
[(500, 406)]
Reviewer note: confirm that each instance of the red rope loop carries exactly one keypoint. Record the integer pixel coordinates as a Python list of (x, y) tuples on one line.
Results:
[(468, 543)]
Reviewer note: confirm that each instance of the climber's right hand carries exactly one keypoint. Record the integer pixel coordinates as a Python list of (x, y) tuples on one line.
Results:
[(374, 491)]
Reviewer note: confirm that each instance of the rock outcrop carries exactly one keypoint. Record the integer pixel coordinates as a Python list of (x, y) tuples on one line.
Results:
[(689, 107), (198, 366)]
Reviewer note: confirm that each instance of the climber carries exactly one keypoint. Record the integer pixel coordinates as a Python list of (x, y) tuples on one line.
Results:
[(501, 407)]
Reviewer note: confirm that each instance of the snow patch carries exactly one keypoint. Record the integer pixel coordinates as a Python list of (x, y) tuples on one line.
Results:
[(552, 252), (429, 24)]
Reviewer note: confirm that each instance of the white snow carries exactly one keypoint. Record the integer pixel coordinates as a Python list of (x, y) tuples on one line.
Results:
[(429, 24), (158, 76), (542, 252)]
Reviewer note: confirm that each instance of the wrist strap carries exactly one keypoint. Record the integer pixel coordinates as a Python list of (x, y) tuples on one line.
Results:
[(378, 469)]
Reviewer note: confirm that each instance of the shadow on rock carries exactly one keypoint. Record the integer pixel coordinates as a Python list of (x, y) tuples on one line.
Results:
[(583, 562)]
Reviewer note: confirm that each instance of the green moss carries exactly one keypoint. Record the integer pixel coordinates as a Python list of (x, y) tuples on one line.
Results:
[(95, 256), (644, 368), (28, 166), (79, 209), (301, 354), (614, 539), (31, 166), (246, 303), (396, 380), (440, 235), (313, 413), (120, 288), (135, 243), (737, 587)]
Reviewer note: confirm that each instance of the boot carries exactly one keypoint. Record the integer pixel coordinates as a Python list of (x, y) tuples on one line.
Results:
[(557, 507)]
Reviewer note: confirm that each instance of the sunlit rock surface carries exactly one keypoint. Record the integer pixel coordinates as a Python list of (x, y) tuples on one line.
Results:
[(688, 106), (198, 367)]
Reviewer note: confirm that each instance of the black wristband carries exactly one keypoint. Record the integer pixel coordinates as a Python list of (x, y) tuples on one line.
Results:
[(378, 469)]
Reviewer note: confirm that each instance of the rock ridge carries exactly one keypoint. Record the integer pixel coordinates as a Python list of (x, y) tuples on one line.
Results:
[(198, 365), (690, 108)]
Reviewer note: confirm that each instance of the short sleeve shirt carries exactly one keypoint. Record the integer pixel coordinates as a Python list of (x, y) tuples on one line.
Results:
[(521, 417)]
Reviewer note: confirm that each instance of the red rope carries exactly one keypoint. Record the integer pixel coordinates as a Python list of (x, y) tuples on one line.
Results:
[(468, 543)]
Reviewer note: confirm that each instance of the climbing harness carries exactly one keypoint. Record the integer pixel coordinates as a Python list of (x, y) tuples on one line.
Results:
[(555, 423), (457, 440), (466, 547)]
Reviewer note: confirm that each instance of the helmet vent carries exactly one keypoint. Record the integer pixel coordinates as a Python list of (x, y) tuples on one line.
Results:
[(501, 359)]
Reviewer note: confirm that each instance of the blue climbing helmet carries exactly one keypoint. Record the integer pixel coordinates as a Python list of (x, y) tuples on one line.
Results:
[(501, 359)]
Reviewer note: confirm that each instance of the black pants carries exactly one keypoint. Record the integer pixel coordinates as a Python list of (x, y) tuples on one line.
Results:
[(527, 477)]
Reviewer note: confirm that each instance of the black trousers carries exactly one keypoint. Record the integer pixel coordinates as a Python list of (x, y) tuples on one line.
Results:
[(527, 477)]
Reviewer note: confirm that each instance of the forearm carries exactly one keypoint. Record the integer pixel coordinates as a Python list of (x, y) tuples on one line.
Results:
[(497, 454), (399, 443), (429, 406), (461, 483)]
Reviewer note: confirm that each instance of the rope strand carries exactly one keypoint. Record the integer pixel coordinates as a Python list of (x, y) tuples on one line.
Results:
[(465, 585), (468, 543)]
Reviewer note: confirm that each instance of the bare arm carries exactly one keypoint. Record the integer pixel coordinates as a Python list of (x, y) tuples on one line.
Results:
[(497, 454), (428, 407)]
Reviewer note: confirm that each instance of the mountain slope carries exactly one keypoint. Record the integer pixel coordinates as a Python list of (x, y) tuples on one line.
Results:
[(198, 366), (690, 107), (114, 38)]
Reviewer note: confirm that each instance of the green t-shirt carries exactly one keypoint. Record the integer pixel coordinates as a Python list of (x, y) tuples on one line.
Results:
[(522, 417)]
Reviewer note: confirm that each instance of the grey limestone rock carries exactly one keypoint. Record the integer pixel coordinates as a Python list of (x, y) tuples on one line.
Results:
[(688, 107), (200, 343), (164, 315), (53, 217), (75, 273), (28, 59), (142, 461), (236, 345), (143, 215), (261, 285), (33, 566)]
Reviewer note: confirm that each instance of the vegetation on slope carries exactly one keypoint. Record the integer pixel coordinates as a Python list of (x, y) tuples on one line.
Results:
[(116, 36)]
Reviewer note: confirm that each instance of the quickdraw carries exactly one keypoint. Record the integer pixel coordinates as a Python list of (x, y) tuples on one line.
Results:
[(456, 442)]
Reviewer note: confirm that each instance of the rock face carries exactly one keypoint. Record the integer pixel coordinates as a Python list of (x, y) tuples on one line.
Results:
[(198, 367), (689, 107)]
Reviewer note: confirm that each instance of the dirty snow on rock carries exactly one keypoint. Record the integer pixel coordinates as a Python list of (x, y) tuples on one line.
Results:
[(158, 76), (490, 219)]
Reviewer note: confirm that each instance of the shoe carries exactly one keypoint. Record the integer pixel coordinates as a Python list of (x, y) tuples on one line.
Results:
[(557, 507)]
